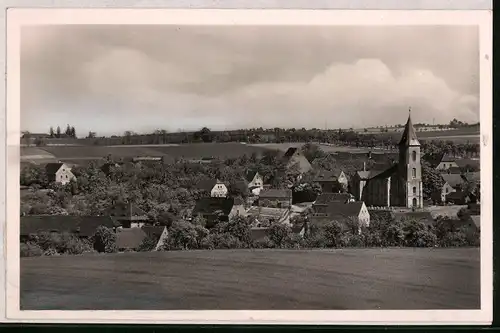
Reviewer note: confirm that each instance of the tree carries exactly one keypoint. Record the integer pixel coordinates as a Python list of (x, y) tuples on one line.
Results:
[(205, 134), (238, 226), (312, 152), (104, 240), (73, 132), (58, 132), (51, 132), (91, 135), (183, 235), (68, 131), (432, 181), (280, 235)]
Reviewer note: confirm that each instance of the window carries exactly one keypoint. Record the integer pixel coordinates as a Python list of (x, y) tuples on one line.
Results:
[(446, 190), (414, 155), (414, 173), (414, 202), (414, 190)]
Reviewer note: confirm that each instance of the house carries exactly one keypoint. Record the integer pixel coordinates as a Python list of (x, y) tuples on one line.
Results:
[(341, 212), (453, 180), (323, 200), (293, 156), (265, 215), (128, 215), (275, 198), (458, 198), (255, 182), (216, 188), (445, 190), (213, 209), (158, 233), (129, 239), (80, 226), (238, 208), (332, 181), (446, 163), (59, 173)]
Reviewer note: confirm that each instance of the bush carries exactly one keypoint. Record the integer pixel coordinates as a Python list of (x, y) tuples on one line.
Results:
[(148, 244), (104, 240), (78, 246), (263, 243), (30, 250), (417, 234), (183, 235), (60, 243), (280, 235)]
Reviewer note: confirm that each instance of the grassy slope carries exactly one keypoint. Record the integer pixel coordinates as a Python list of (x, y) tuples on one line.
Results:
[(261, 279)]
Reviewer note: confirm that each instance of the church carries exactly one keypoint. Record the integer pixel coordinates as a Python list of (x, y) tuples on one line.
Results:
[(401, 184)]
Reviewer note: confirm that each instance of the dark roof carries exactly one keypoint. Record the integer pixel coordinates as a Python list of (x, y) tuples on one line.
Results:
[(474, 208), (211, 206), (457, 195), (425, 217), (239, 201), (84, 226), (326, 198), (385, 173), (447, 158), (275, 193), (250, 174), (291, 151), (463, 163), (340, 210), (477, 220), (52, 168), (409, 137), (108, 167), (129, 238), (126, 209), (154, 232), (206, 184), (452, 179), (453, 170)]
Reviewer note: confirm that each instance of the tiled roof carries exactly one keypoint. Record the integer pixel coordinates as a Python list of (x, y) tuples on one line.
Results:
[(448, 159), (250, 174), (153, 231), (452, 179), (326, 175), (465, 163), (210, 206), (275, 193), (457, 195), (84, 226), (326, 198), (340, 210), (130, 238), (291, 151), (267, 212), (52, 168), (472, 176), (206, 184), (477, 220)]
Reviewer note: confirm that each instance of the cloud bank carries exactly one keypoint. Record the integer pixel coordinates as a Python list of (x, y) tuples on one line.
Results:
[(110, 79)]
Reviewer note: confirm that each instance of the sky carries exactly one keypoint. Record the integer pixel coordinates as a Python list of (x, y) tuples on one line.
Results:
[(110, 79)]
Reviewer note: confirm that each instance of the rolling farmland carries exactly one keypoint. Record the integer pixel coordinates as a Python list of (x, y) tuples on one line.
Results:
[(254, 279)]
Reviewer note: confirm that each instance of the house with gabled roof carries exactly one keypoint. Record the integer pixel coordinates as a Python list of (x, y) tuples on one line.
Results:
[(213, 209), (80, 226), (128, 215), (343, 212), (279, 198), (323, 200), (447, 162), (255, 181), (215, 187), (294, 156), (332, 181), (59, 173)]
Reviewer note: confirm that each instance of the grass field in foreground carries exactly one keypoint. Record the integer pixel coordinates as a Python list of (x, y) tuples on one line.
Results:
[(255, 279)]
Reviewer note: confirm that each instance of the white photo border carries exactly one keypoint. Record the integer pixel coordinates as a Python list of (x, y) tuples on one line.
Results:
[(17, 17)]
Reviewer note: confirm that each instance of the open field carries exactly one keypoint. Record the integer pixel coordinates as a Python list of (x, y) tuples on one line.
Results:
[(255, 279)]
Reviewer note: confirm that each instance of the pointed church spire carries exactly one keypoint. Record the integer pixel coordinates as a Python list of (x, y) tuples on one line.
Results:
[(409, 137)]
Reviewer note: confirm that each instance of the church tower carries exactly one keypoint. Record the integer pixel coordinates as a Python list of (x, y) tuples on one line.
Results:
[(409, 166)]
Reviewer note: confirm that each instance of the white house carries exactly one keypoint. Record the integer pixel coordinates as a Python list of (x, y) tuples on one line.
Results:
[(59, 173), (255, 182), (216, 188), (446, 163)]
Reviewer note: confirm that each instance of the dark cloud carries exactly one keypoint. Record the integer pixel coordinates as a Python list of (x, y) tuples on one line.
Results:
[(113, 78)]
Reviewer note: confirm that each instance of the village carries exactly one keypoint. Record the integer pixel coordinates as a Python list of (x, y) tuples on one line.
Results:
[(310, 198)]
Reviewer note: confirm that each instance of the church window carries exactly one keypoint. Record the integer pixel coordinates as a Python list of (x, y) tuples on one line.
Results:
[(414, 155), (414, 173), (414, 190), (414, 202)]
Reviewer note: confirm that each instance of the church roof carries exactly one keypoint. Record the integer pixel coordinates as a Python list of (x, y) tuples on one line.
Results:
[(409, 137)]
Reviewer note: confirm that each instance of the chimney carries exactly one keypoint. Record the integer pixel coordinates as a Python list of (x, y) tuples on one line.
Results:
[(364, 166)]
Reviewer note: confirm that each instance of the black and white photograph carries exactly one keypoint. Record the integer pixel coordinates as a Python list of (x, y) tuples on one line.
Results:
[(239, 166)]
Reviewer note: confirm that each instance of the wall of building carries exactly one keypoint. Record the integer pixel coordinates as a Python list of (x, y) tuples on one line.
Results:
[(219, 191)]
